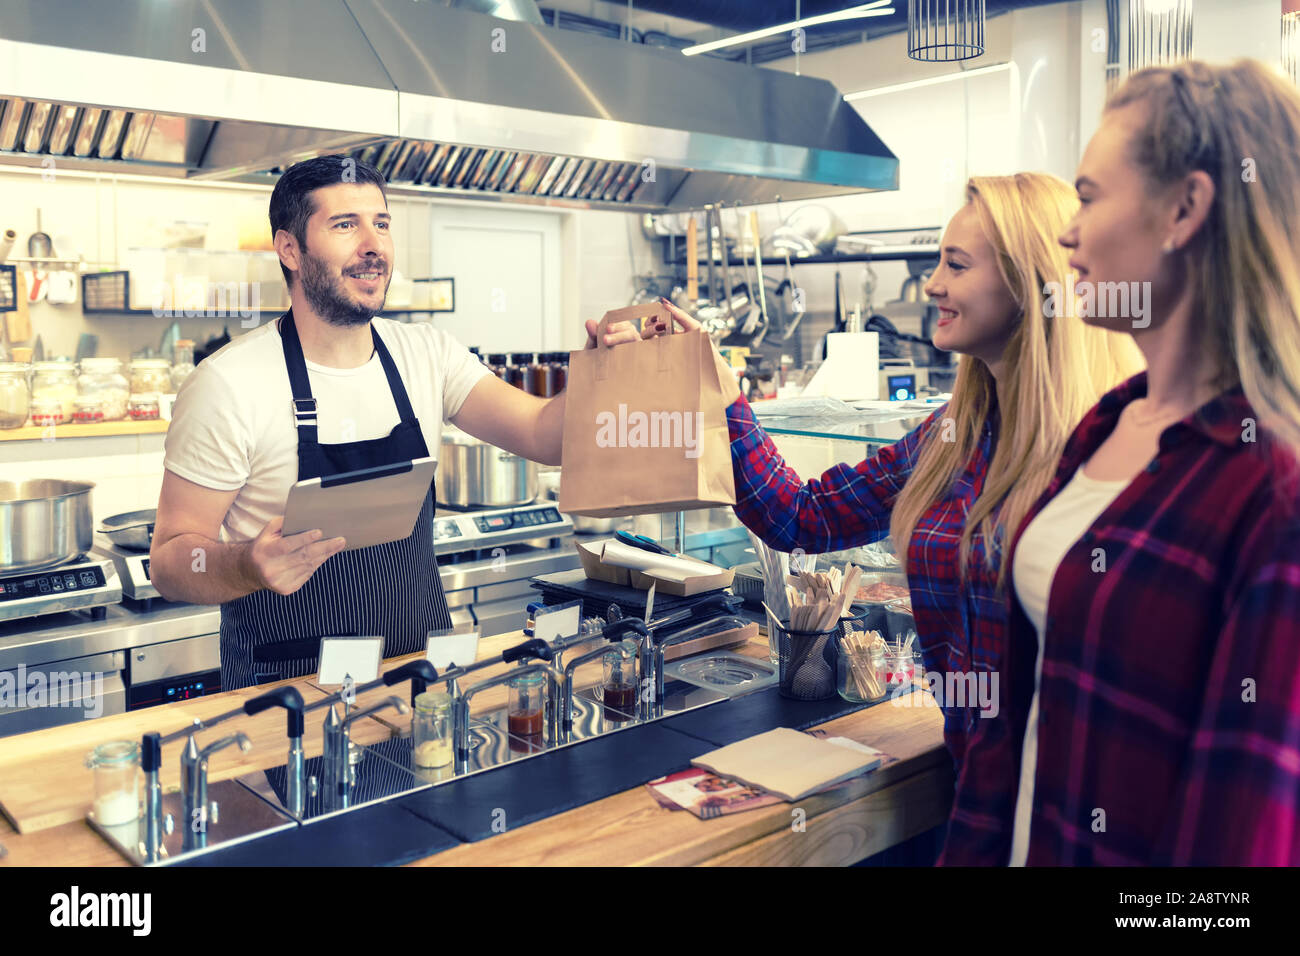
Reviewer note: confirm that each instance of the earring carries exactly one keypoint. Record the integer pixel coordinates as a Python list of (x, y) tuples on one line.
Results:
[(1168, 247)]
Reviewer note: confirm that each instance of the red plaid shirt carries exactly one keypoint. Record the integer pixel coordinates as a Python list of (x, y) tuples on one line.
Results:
[(1169, 708), (961, 629)]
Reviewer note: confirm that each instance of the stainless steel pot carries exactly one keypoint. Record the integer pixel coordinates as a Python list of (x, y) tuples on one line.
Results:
[(43, 523), (132, 530), (473, 474)]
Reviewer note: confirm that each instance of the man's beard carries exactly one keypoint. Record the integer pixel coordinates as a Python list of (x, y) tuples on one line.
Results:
[(325, 292)]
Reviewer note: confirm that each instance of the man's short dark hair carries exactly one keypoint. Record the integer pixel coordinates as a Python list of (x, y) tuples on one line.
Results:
[(291, 202)]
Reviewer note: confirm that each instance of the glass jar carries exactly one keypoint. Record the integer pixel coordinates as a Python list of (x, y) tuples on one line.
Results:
[(102, 378), (527, 705), (499, 365), (183, 364), (143, 407), (546, 375), (860, 669), (900, 664), (56, 381), (618, 690), (431, 729), (47, 411), (15, 396), (88, 411), (150, 375), (117, 782)]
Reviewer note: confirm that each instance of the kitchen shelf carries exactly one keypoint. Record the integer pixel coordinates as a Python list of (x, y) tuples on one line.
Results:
[(37, 432)]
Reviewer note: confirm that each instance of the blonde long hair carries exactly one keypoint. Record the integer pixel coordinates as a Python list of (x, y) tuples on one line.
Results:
[(1056, 369), (1241, 125)]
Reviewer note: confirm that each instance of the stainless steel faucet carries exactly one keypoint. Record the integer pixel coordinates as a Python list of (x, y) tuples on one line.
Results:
[(194, 787), (460, 707), (336, 767), (295, 766), (566, 685), (652, 654)]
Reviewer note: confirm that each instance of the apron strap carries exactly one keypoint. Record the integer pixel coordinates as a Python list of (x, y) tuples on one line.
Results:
[(304, 405)]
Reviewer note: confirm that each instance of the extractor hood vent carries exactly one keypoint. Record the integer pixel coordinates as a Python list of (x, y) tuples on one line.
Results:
[(443, 100)]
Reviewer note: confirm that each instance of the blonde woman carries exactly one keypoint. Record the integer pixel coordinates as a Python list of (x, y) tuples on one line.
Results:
[(1158, 578), (950, 491)]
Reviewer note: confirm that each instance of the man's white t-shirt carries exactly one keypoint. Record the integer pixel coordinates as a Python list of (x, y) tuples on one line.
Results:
[(233, 425)]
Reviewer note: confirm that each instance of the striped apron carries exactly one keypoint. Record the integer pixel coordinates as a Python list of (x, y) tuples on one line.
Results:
[(392, 589)]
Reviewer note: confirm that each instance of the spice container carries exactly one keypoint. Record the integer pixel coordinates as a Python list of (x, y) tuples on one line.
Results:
[(143, 408), (117, 782), (560, 373), (15, 398), (500, 367), (150, 375), (523, 371), (526, 706), (102, 378), (56, 381), (47, 411), (431, 729), (546, 375), (88, 411), (183, 364)]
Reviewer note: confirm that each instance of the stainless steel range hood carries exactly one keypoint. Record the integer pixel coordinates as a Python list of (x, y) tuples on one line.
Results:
[(443, 100)]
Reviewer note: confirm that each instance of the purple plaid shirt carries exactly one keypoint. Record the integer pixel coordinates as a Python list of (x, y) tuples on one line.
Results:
[(1169, 709), (961, 628)]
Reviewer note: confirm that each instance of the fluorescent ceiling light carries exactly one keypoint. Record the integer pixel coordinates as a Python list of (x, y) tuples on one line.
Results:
[(872, 9), (930, 81)]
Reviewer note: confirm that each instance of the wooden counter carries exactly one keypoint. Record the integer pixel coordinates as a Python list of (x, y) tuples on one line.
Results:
[(857, 819)]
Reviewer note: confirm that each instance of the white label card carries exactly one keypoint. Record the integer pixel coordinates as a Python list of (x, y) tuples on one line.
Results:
[(355, 657), (559, 620), (446, 648)]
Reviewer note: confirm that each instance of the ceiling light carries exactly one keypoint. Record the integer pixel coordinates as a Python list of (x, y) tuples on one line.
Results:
[(945, 30), (929, 81)]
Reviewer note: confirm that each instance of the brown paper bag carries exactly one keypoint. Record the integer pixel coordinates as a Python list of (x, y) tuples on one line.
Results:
[(645, 426)]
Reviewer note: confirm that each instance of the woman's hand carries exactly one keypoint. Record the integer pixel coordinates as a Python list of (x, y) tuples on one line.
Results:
[(683, 321)]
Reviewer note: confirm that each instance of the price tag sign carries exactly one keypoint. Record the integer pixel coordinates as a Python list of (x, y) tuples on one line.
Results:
[(557, 620), (455, 646), (355, 657)]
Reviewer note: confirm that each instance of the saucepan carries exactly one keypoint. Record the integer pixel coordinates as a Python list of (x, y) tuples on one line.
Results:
[(475, 474), (132, 530), (44, 522)]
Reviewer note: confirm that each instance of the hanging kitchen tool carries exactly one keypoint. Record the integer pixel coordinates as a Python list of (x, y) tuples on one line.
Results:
[(711, 316), (692, 261), (736, 305), (758, 268)]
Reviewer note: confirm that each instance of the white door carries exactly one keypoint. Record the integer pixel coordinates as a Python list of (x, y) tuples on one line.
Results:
[(506, 264)]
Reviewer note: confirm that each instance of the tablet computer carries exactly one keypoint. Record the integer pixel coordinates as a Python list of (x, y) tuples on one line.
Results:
[(367, 507)]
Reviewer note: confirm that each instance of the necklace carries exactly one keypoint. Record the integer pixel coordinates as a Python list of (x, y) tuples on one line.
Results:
[(1141, 420)]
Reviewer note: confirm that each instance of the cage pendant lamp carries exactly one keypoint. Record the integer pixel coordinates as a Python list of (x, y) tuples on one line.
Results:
[(1159, 32), (945, 30), (1291, 39)]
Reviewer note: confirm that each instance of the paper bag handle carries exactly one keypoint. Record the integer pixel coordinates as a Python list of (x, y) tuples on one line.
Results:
[(632, 313)]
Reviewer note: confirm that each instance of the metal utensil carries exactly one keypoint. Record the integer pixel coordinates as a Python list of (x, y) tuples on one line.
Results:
[(132, 530), (39, 244)]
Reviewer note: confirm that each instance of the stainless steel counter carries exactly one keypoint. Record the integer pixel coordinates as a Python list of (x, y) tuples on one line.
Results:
[(58, 637)]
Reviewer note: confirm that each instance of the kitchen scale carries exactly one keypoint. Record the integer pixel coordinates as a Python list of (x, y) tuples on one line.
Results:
[(88, 584), (457, 531), (132, 569)]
